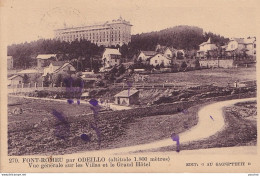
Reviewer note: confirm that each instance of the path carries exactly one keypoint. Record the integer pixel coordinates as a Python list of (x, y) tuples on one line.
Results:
[(205, 128)]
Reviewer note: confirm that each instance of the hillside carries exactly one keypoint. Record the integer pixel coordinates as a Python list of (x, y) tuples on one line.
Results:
[(180, 37)]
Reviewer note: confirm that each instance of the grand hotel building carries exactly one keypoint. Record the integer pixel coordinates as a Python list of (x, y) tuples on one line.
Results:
[(115, 32)]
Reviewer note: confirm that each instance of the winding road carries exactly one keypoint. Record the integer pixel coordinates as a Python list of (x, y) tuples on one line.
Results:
[(210, 121)]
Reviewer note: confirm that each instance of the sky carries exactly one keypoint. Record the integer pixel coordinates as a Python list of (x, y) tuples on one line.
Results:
[(28, 20)]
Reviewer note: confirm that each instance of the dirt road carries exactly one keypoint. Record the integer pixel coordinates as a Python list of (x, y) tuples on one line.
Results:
[(210, 121)]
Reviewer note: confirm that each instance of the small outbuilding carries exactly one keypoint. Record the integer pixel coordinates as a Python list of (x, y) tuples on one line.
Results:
[(127, 97), (14, 80)]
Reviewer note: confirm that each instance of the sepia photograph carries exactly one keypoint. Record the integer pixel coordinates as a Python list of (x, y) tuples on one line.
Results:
[(143, 82)]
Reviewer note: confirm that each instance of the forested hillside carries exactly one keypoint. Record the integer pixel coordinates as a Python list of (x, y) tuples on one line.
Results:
[(180, 37)]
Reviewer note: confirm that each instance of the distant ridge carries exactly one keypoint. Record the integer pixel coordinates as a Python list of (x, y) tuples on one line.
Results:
[(180, 37)]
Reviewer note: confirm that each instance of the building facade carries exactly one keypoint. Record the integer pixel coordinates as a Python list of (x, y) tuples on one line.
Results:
[(144, 55), (111, 57), (159, 59), (205, 48), (115, 32), (43, 60), (241, 45)]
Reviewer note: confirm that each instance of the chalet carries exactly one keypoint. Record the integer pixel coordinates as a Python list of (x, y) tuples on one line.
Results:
[(205, 48), (159, 59), (10, 62), (144, 55), (127, 97), (111, 57), (14, 80), (43, 60)]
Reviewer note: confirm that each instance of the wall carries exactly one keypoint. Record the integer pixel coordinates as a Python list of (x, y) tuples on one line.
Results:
[(227, 63)]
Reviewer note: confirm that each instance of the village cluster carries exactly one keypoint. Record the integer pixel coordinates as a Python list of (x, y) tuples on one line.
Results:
[(49, 69)]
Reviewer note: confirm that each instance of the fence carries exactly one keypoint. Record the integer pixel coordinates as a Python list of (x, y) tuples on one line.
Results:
[(24, 88), (151, 85)]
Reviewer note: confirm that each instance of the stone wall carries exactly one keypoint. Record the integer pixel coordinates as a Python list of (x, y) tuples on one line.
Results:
[(224, 63)]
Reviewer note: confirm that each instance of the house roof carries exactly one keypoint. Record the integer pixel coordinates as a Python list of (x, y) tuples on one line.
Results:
[(28, 71), (249, 40), (58, 63), (112, 51), (14, 76), (126, 93), (156, 55), (149, 53), (207, 42), (9, 57), (63, 66), (45, 56), (224, 46), (239, 40)]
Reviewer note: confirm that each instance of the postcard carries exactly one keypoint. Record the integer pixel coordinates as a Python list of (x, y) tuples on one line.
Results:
[(113, 86)]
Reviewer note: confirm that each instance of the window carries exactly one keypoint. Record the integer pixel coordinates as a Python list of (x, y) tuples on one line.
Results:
[(115, 60), (155, 61), (254, 45)]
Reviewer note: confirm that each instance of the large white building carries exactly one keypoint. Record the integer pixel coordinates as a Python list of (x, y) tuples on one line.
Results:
[(115, 32)]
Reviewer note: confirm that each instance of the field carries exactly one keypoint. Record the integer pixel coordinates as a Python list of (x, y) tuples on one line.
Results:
[(219, 76), (33, 129)]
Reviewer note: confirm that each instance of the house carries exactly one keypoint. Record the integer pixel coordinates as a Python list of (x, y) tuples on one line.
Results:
[(14, 80), (59, 67), (159, 59), (43, 60), (54, 65), (241, 46), (205, 48), (111, 57), (127, 97), (144, 55), (10, 62), (170, 52), (160, 49)]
